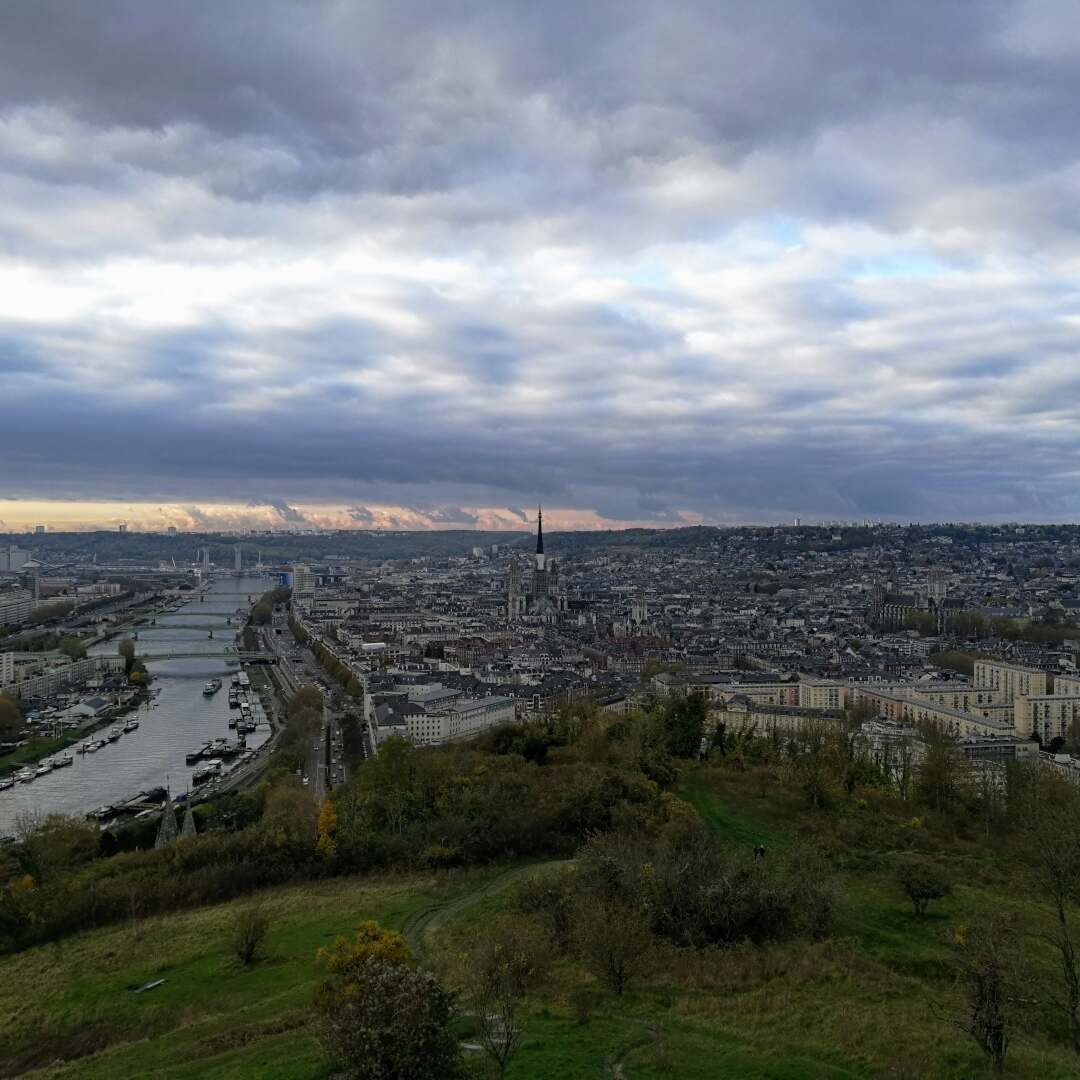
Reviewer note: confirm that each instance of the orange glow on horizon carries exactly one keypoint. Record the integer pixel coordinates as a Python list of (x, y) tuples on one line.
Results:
[(22, 516)]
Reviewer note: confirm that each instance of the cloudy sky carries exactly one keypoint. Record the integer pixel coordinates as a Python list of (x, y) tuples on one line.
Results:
[(423, 265)]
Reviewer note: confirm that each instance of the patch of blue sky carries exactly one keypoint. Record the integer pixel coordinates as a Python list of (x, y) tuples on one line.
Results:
[(905, 264)]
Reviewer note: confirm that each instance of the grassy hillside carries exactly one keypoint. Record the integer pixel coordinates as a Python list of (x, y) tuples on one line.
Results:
[(210, 1018), (862, 1003)]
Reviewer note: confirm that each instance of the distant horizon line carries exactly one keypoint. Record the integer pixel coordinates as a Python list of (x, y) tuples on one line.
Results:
[(527, 531)]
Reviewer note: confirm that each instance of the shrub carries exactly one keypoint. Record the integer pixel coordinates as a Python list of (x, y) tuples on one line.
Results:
[(250, 928), (384, 1019), (550, 896), (370, 941), (921, 882), (613, 941)]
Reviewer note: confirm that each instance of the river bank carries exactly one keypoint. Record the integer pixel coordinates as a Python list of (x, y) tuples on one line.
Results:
[(181, 660), (43, 746)]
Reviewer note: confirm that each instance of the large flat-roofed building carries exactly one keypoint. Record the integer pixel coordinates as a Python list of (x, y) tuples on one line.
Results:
[(1067, 685), (1046, 715), (742, 712), (821, 694), (911, 710), (13, 558), (15, 606), (720, 686), (1010, 680), (468, 716), (41, 675)]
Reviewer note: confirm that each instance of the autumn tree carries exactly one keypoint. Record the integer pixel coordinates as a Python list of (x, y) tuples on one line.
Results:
[(369, 941), (289, 818), (326, 833), (306, 697), (378, 1016)]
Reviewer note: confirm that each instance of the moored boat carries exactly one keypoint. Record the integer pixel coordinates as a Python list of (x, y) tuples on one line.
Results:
[(207, 772)]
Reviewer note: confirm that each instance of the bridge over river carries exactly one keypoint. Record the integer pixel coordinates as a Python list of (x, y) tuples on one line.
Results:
[(244, 657)]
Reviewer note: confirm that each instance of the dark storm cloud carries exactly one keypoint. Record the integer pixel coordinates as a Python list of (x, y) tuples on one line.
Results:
[(708, 259)]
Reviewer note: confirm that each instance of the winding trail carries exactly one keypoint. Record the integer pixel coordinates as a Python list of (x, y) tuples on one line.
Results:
[(422, 924)]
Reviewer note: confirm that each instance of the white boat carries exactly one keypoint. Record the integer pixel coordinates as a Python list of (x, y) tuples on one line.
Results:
[(131, 725), (212, 687), (24, 776), (43, 768), (63, 762), (114, 734), (7, 782)]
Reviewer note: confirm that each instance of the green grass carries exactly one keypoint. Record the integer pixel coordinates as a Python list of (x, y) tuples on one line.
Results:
[(863, 1004), (744, 819), (210, 1018)]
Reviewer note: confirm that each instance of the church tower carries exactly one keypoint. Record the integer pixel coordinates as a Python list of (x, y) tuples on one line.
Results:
[(540, 557), (540, 584)]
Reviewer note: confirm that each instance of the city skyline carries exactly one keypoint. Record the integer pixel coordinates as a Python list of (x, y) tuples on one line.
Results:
[(650, 265)]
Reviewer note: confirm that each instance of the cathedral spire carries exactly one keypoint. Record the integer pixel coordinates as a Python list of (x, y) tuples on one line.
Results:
[(539, 531)]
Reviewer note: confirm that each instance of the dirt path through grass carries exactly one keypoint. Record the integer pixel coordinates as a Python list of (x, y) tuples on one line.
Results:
[(419, 926)]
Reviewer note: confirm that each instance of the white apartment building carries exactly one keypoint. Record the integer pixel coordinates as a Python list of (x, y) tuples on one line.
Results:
[(821, 694), (41, 675), (15, 606), (13, 558), (1010, 680), (1046, 715), (1067, 685), (460, 720)]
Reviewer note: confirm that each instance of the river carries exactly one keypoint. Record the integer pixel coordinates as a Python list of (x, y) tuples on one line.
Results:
[(182, 719)]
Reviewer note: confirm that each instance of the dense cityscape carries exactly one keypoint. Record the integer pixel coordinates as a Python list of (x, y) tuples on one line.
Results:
[(778, 626), (539, 541)]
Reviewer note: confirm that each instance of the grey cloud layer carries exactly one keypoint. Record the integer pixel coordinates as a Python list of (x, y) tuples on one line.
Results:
[(728, 260)]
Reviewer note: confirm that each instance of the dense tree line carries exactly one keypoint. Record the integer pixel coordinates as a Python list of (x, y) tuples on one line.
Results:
[(577, 774)]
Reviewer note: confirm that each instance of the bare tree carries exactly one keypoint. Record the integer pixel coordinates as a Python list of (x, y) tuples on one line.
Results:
[(500, 967), (1051, 823), (613, 941), (987, 976)]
